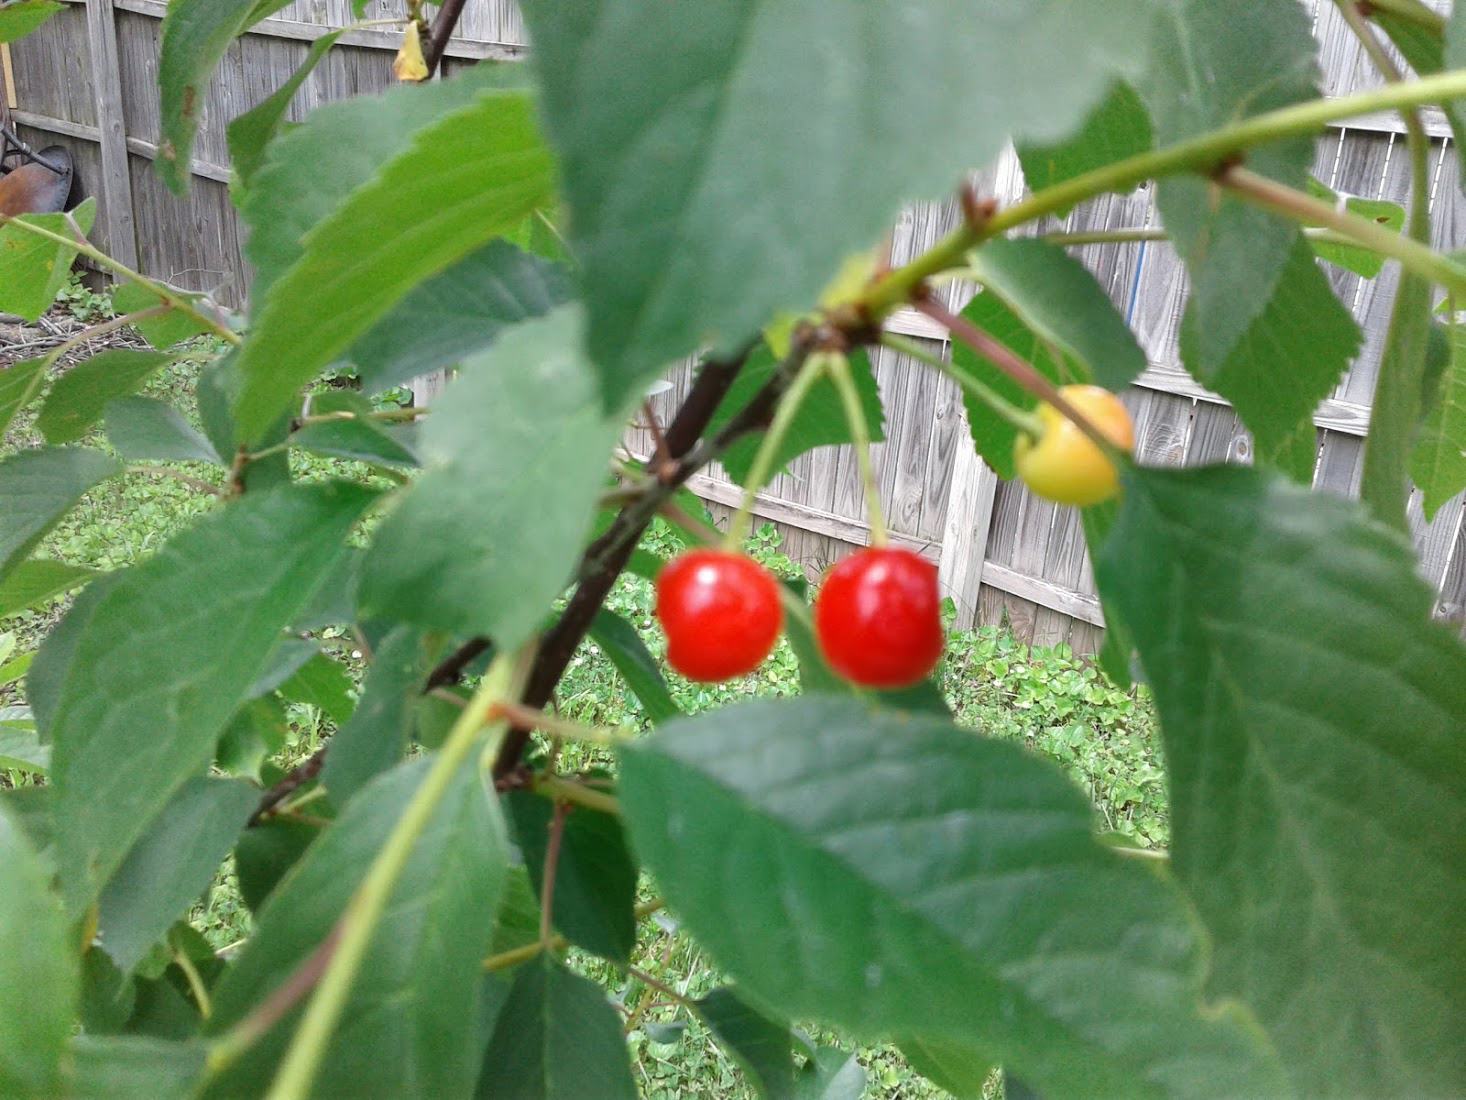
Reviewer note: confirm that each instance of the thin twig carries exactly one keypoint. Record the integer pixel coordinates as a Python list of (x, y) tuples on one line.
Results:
[(552, 866)]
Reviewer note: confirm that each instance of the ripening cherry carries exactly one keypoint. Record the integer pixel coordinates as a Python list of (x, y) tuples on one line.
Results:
[(721, 613), (878, 618), (1063, 464)]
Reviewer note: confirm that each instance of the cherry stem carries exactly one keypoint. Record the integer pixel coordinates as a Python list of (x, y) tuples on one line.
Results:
[(1026, 422), (763, 462), (552, 862), (839, 369)]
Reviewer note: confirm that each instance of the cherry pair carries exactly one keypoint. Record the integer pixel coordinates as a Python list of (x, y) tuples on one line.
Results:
[(877, 616)]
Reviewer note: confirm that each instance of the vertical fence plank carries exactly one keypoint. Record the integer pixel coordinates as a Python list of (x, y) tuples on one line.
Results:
[(116, 215)]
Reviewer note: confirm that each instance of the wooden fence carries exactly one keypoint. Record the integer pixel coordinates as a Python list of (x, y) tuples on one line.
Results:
[(87, 80)]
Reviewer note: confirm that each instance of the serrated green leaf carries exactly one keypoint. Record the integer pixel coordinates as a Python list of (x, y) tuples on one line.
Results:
[(170, 865), (166, 655), (142, 429), (1438, 463), (483, 542), (375, 738), (1428, 54), (992, 435), (250, 133), (32, 268), (457, 313), (820, 421), (409, 1025), (1118, 128), (466, 177), (37, 487), (195, 35), (173, 326), (19, 18), (38, 971), (1361, 261), (1313, 718), (19, 385), (1289, 359), (1215, 62), (634, 661), (595, 880), (52, 665), (31, 583), (557, 1038), (133, 1067), (79, 396), (1057, 297), (672, 130), (957, 1069), (761, 1046), (947, 846)]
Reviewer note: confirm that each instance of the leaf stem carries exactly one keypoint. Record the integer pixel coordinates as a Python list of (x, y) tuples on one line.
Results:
[(1141, 234), (524, 953), (1412, 11), (563, 790), (839, 370), (177, 475), (1025, 421), (551, 867), (359, 921)]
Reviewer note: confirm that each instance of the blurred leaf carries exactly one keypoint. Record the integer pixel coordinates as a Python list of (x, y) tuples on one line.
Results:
[(37, 487), (1438, 463), (485, 540), (761, 1046), (1059, 299), (1215, 63), (171, 864), (321, 683), (356, 434), (1313, 719), (21, 748), (266, 851), (456, 313), (38, 974), (165, 657), (32, 583), (957, 1069), (79, 396), (1361, 261), (1060, 957), (133, 1067), (142, 429), (831, 1074), (634, 661), (595, 880), (33, 269), (409, 1025), (374, 739), (1428, 54), (19, 18), (1118, 128), (168, 328), (761, 116), (558, 1038), (19, 385), (108, 996)]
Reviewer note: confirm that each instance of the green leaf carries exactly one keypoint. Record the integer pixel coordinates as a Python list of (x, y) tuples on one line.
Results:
[(37, 487), (322, 683), (1438, 463), (820, 421), (483, 542), (355, 435), (254, 733), (875, 842), (1289, 359), (815, 674), (1313, 719), (1117, 650), (38, 972), (195, 35), (79, 396), (1361, 261), (32, 268), (1118, 128), (595, 881), (1215, 62), (456, 313), (19, 385), (134, 1067), (266, 851), (32, 583), (1428, 54), (634, 661), (170, 865), (250, 133), (466, 177), (20, 747), (409, 1025), (48, 674), (761, 1046), (375, 738), (761, 116), (19, 18), (166, 329), (108, 996), (142, 429), (992, 435), (1059, 299), (1399, 403), (558, 1038), (831, 1074), (958, 1069), (166, 655), (11, 671)]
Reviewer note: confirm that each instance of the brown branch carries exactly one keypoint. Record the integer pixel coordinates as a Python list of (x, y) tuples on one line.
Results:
[(294, 779), (444, 24)]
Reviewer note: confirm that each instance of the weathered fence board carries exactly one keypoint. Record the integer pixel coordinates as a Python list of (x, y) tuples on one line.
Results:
[(87, 79)]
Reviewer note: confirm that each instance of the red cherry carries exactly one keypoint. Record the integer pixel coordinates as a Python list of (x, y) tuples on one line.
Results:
[(878, 618), (721, 613)]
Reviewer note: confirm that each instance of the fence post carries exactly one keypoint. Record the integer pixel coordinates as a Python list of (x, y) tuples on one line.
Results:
[(116, 182)]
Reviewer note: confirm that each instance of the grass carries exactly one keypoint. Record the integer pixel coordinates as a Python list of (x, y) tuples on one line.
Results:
[(1058, 705)]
